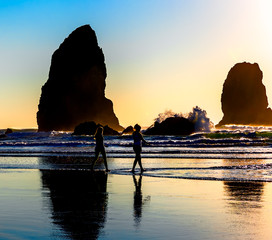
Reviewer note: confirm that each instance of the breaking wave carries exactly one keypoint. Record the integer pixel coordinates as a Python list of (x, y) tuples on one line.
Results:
[(197, 116), (230, 142)]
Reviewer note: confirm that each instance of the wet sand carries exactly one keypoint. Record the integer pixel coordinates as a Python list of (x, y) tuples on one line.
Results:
[(64, 204)]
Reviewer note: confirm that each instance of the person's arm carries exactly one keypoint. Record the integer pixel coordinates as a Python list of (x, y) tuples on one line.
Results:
[(142, 138)]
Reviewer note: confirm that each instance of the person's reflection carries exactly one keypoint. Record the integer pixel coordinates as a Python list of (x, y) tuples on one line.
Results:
[(78, 201), (138, 200)]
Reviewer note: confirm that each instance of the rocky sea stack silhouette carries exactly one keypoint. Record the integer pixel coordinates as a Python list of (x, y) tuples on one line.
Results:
[(244, 99), (75, 90), (172, 126)]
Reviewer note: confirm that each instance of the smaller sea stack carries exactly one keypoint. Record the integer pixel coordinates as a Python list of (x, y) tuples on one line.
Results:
[(244, 99)]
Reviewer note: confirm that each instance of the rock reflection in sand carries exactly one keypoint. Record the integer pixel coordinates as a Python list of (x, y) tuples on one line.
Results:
[(78, 201)]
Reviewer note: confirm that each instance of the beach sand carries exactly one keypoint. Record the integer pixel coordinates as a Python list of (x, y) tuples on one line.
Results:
[(78, 204)]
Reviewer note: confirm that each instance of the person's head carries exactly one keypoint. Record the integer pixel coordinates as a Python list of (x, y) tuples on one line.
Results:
[(137, 128), (99, 131)]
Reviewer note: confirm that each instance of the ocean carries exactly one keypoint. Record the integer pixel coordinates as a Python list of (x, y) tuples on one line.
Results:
[(235, 153)]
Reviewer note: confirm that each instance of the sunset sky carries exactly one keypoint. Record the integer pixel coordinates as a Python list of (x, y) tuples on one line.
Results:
[(160, 54)]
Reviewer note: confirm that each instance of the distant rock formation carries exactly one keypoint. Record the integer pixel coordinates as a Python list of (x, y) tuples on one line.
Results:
[(244, 99), (75, 90), (86, 128), (128, 130), (8, 131), (172, 126), (109, 131), (89, 128)]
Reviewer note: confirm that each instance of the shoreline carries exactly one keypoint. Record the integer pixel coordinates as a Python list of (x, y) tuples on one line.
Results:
[(244, 170)]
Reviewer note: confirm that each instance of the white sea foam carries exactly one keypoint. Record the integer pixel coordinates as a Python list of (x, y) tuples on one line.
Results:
[(238, 153)]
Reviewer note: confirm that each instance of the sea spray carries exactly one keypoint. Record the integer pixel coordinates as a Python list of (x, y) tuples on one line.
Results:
[(197, 116), (167, 114), (200, 119)]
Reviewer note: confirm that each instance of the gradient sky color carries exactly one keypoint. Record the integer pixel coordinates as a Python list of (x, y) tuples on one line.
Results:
[(160, 54)]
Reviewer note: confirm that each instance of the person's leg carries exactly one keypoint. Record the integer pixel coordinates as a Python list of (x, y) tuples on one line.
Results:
[(95, 158), (105, 159), (134, 165), (135, 160), (137, 150), (138, 158), (140, 162)]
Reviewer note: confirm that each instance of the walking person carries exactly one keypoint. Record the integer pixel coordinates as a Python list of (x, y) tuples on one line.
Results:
[(137, 147), (100, 148)]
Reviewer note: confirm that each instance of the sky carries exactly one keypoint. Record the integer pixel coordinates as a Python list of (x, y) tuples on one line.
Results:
[(160, 54)]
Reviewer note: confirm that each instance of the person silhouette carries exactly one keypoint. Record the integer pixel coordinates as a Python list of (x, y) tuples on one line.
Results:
[(137, 147), (100, 148)]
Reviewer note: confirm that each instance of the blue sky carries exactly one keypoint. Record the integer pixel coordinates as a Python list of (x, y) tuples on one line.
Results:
[(160, 54)]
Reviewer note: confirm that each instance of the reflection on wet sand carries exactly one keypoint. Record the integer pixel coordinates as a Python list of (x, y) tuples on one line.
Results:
[(138, 200), (244, 195), (78, 201), (53, 162)]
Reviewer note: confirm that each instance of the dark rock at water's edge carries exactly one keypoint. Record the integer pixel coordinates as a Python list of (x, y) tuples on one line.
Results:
[(109, 131), (86, 128), (128, 130), (75, 90), (244, 99), (172, 126), (89, 128), (8, 131)]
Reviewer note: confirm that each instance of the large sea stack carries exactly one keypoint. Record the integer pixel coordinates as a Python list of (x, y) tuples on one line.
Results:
[(75, 90), (244, 99)]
